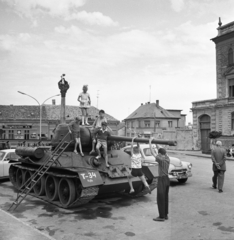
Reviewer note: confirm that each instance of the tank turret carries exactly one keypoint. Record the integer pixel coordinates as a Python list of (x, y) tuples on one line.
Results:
[(86, 138)]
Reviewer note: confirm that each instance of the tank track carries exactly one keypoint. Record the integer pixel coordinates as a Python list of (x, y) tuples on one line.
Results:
[(85, 194)]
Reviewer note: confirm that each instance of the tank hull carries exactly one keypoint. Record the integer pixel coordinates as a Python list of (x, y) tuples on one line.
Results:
[(83, 180)]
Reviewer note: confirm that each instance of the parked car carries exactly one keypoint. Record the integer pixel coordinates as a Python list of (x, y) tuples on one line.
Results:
[(178, 170), (7, 157)]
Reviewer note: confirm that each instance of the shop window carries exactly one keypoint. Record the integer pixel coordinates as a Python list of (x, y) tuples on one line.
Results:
[(232, 122), (26, 134), (231, 87), (11, 134), (230, 57), (147, 123), (170, 125)]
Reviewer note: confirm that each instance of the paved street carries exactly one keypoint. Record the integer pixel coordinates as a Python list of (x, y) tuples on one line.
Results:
[(197, 212)]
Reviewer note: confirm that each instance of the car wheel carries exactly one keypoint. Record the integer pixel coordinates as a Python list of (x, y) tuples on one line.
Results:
[(184, 180)]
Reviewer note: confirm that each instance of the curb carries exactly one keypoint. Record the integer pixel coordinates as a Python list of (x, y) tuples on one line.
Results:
[(198, 155)]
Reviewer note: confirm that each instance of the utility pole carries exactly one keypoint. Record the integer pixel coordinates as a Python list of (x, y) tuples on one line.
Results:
[(97, 97), (150, 93)]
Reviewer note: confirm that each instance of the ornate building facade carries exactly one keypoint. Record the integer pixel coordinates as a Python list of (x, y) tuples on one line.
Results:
[(217, 114)]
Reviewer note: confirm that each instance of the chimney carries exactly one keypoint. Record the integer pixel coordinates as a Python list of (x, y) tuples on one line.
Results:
[(157, 103), (142, 104), (53, 102)]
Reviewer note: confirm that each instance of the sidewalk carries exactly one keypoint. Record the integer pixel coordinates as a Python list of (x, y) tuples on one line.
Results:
[(196, 154), (11, 228)]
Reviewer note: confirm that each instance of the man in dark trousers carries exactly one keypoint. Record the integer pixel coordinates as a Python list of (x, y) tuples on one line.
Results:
[(219, 165), (163, 182)]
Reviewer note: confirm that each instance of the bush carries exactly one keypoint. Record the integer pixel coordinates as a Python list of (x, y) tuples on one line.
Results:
[(215, 134)]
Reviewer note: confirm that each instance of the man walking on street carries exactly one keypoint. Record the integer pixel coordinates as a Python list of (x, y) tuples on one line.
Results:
[(163, 182), (219, 165)]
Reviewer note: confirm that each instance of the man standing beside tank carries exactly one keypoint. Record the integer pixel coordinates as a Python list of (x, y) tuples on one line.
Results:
[(219, 165), (163, 182)]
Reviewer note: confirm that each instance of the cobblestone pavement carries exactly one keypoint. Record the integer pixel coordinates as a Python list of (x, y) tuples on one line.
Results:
[(197, 212)]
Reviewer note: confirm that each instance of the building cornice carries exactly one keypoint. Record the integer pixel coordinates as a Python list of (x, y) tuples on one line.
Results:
[(222, 38)]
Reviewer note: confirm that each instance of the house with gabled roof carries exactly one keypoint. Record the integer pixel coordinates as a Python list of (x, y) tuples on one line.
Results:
[(150, 119)]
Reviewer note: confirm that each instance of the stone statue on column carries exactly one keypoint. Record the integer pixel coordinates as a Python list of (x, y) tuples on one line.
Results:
[(63, 86)]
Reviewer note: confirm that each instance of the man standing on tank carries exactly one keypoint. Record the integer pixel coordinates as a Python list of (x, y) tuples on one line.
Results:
[(163, 182), (219, 165)]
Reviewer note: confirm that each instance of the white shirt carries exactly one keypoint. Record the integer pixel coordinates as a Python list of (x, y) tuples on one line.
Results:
[(136, 160)]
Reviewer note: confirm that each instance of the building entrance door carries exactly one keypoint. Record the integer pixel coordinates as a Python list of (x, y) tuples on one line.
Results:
[(205, 129)]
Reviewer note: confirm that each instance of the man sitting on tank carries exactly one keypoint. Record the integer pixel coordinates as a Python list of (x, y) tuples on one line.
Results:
[(75, 128), (101, 136), (97, 125)]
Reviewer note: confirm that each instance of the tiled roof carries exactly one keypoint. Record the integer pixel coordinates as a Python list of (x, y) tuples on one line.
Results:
[(150, 110), (21, 112), (49, 112), (53, 112)]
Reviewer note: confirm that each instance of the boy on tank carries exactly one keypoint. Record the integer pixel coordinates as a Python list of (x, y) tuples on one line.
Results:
[(85, 101)]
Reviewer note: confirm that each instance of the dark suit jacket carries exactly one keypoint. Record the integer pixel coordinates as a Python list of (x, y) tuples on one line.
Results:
[(218, 155)]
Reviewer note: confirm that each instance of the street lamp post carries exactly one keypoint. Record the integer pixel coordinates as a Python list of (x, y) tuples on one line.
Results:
[(40, 106)]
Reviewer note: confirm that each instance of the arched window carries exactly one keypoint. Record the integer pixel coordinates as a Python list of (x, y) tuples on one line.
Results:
[(232, 121), (230, 56)]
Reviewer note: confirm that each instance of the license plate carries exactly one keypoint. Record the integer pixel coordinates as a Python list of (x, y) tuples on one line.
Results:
[(182, 176)]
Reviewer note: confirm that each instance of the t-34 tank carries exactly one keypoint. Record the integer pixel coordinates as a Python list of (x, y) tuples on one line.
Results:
[(67, 179)]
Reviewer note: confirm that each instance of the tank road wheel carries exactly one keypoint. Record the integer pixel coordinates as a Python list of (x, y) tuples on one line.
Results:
[(19, 178), (51, 187), (66, 191), (39, 188), (27, 176), (12, 176)]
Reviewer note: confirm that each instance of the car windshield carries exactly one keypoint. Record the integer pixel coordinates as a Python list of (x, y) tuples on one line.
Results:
[(13, 156), (2, 154), (147, 152)]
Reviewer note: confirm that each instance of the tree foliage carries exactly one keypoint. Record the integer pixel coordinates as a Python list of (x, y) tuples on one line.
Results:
[(215, 134)]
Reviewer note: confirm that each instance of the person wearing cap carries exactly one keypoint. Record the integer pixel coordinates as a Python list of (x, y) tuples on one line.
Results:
[(219, 165), (163, 182), (85, 102), (102, 135), (75, 129)]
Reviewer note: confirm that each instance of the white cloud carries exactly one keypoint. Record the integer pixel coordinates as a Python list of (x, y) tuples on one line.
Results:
[(177, 5), (10, 43), (30, 8), (92, 18)]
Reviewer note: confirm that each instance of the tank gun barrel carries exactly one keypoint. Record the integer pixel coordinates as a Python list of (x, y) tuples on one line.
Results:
[(142, 140)]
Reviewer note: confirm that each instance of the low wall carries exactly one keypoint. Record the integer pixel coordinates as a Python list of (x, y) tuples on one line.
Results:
[(227, 141), (184, 138)]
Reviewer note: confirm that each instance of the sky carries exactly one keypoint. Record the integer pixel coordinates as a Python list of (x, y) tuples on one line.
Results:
[(128, 51)]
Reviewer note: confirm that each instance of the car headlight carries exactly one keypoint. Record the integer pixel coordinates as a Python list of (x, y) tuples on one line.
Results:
[(190, 166)]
